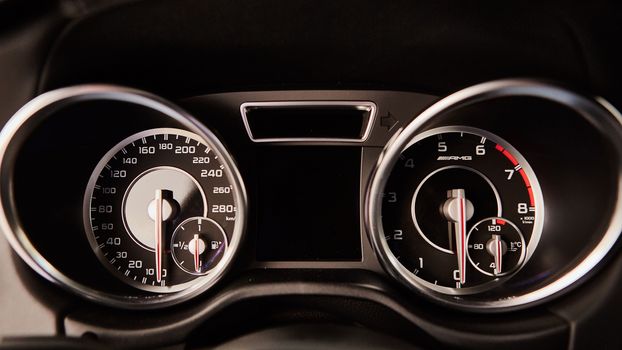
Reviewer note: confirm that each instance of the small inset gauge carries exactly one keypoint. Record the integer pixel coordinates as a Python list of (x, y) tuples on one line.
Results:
[(496, 247), (198, 244)]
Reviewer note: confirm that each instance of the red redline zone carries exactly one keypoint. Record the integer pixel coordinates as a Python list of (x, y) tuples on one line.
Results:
[(514, 162)]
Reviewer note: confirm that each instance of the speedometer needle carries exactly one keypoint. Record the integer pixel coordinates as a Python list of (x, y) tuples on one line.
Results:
[(158, 234), (455, 210)]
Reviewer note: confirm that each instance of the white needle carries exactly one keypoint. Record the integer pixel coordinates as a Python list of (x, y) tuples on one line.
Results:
[(461, 238), (455, 210), (197, 254), (158, 234), (498, 253)]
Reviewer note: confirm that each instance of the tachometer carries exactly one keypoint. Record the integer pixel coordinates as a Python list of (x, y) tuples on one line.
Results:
[(451, 181), (145, 189)]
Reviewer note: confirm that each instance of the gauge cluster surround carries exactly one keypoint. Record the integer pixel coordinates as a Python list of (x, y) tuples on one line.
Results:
[(509, 123), (467, 200), (162, 172)]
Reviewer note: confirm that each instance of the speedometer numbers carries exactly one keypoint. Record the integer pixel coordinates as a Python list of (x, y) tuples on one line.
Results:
[(459, 209), (144, 201)]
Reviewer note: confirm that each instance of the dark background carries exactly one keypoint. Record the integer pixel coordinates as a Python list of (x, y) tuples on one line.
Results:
[(180, 48), (305, 211)]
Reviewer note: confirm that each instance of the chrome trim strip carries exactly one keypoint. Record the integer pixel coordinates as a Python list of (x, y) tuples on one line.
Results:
[(14, 134), (598, 112), (361, 105)]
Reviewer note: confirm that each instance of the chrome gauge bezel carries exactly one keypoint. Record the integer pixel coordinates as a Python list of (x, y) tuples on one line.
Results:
[(16, 132), (599, 113)]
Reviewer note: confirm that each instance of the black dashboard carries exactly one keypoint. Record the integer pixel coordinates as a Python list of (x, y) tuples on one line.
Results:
[(293, 174)]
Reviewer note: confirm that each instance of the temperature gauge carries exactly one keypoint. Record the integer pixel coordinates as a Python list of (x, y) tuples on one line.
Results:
[(496, 247), (198, 244)]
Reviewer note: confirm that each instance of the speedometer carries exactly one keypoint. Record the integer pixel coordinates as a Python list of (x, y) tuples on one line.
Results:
[(146, 188)]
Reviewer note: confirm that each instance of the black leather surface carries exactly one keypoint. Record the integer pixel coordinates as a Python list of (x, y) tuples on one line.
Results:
[(187, 47)]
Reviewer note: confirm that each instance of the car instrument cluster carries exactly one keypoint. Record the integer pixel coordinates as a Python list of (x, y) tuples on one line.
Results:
[(155, 187), (469, 220), (496, 197)]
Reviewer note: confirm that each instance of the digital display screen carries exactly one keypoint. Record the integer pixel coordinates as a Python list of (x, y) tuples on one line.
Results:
[(308, 203)]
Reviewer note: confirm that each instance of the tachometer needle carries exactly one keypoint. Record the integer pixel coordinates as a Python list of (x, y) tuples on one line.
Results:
[(158, 234), (498, 253), (455, 210)]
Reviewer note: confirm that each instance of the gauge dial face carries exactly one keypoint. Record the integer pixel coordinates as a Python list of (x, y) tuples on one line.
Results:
[(142, 191), (445, 182), (496, 247)]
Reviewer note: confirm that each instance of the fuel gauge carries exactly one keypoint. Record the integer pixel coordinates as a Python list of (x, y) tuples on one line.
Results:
[(197, 245)]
